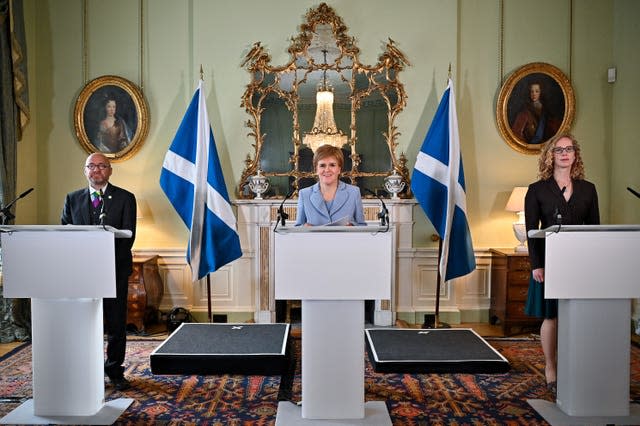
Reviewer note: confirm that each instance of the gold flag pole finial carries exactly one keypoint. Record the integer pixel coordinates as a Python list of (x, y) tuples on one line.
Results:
[(201, 73), (449, 70)]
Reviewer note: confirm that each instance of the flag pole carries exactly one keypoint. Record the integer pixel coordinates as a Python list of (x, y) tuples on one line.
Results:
[(437, 323), (209, 298), (209, 312), (438, 284)]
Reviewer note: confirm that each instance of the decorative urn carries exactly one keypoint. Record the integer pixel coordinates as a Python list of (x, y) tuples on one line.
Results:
[(394, 184), (258, 184)]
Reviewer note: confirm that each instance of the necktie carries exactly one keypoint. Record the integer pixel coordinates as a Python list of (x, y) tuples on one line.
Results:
[(96, 199)]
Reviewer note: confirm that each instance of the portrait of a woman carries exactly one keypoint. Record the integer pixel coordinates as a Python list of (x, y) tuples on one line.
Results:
[(111, 117), (113, 133)]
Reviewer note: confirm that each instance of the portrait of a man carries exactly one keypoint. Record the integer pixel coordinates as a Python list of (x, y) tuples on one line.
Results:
[(536, 108), (535, 103)]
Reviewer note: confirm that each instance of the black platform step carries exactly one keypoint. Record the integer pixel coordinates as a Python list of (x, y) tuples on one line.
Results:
[(204, 349), (403, 350)]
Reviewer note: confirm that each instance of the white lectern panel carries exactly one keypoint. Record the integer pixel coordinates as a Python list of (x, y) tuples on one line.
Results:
[(316, 265), (593, 373), (332, 269), (333, 359), (591, 269), (69, 380), (568, 254), (59, 264), (66, 271)]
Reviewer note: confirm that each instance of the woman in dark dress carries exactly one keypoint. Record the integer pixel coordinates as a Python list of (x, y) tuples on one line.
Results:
[(560, 196)]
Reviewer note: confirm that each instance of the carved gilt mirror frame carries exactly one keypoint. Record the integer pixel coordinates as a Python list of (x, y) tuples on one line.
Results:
[(280, 101)]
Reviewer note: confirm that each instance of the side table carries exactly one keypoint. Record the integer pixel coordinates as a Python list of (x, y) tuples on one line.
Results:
[(510, 272), (145, 291)]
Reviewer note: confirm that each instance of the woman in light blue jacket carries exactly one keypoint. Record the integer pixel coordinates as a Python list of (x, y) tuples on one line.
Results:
[(329, 201)]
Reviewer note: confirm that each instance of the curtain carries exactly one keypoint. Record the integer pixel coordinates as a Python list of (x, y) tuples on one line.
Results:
[(14, 116)]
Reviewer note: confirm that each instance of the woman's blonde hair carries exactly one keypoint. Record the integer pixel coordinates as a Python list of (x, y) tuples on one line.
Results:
[(325, 151), (545, 162)]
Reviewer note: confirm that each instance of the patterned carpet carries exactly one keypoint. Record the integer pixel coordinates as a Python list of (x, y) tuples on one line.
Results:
[(412, 399)]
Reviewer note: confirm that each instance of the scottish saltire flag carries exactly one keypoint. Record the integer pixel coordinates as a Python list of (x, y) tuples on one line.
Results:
[(192, 179), (438, 184)]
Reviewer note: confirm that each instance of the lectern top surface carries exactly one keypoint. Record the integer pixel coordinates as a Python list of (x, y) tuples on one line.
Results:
[(119, 233), (542, 233), (303, 229)]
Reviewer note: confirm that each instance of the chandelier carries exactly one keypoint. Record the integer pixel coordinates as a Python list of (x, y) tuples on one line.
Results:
[(324, 129)]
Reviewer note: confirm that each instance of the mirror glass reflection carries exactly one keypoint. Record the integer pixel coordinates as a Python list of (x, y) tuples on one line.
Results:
[(290, 106)]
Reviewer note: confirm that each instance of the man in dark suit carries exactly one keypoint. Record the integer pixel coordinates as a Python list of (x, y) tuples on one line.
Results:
[(105, 204)]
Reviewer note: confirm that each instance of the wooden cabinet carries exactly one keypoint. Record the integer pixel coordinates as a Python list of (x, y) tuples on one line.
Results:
[(510, 272), (145, 292)]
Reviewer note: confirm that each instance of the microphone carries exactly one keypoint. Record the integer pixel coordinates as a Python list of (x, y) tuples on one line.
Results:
[(282, 215), (24, 194), (636, 193), (564, 188), (103, 212), (558, 216), (384, 213), (5, 211)]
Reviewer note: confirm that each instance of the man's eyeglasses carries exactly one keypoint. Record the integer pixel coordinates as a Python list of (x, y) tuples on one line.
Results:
[(559, 150), (100, 166)]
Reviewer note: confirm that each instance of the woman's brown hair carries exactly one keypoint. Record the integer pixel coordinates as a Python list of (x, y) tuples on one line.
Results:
[(325, 151)]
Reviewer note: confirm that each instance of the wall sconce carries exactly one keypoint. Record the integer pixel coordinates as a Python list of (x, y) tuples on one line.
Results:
[(516, 204)]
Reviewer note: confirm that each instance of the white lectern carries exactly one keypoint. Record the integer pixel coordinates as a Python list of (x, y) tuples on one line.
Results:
[(66, 270), (592, 270), (333, 269)]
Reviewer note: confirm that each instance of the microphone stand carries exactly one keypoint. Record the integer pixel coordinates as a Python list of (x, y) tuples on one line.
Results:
[(558, 216), (5, 212), (282, 215), (383, 215), (103, 213)]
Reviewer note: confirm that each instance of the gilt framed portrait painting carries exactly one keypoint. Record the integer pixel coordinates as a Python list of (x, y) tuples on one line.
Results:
[(535, 103), (111, 116)]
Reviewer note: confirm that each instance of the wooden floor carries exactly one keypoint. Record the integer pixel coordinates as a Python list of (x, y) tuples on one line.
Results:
[(6, 347)]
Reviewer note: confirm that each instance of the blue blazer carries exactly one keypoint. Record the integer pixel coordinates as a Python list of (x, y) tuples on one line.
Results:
[(313, 210)]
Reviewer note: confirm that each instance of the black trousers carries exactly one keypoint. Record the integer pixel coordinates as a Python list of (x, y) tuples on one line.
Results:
[(115, 326)]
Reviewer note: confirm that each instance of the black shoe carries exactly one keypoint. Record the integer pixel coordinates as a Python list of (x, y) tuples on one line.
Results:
[(120, 383)]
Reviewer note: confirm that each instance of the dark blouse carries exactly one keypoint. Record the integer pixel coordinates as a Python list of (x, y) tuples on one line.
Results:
[(543, 202)]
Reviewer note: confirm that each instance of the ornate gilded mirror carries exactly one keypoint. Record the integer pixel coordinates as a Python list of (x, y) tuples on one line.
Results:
[(323, 95)]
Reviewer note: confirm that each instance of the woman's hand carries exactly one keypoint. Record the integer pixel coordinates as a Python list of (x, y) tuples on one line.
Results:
[(538, 274)]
